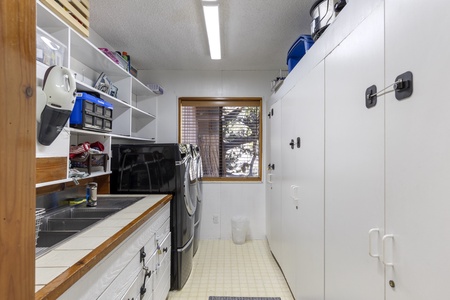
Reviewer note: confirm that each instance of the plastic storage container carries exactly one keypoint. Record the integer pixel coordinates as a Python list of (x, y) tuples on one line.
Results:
[(298, 50), (91, 113), (49, 50), (239, 228)]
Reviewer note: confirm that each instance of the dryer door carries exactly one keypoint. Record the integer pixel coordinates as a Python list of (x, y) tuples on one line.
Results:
[(199, 178), (190, 187)]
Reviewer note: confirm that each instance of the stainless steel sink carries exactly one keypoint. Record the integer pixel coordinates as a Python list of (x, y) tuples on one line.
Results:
[(49, 238), (116, 202), (63, 223), (84, 212), (70, 224)]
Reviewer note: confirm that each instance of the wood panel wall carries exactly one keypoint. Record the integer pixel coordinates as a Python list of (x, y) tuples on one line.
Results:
[(17, 150)]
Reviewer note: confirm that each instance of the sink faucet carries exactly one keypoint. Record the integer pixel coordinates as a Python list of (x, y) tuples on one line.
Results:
[(91, 194)]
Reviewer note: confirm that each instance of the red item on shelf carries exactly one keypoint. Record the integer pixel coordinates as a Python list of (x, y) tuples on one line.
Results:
[(81, 148)]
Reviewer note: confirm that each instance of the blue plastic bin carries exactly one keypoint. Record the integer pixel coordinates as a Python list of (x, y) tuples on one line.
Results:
[(298, 50), (91, 113)]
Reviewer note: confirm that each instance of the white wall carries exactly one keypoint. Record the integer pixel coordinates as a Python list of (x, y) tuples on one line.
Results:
[(222, 199)]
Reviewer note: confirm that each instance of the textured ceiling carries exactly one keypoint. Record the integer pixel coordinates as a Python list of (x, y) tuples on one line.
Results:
[(171, 34)]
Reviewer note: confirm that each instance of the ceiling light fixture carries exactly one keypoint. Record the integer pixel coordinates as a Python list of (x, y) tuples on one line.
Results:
[(211, 12)]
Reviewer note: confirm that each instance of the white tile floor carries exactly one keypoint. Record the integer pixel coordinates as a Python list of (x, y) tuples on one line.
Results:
[(222, 268)]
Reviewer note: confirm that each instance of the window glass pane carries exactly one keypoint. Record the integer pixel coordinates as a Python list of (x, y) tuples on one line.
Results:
[(228, 136)]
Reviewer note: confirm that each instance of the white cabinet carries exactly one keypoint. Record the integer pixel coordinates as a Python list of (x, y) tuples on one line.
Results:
[(309, 121), (274, 203), (302, 157), (354, 169), (418, 152), (134, 106), (387, 168), (289, 189), (138, 267), (162, 268)]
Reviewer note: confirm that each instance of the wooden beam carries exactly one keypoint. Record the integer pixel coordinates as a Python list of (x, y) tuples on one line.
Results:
[(17, 154)]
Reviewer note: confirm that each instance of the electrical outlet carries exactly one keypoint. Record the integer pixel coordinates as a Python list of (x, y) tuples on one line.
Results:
[(215, 219)]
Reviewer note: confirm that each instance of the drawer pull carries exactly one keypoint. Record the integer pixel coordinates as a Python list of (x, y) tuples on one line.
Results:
[(148, 274)]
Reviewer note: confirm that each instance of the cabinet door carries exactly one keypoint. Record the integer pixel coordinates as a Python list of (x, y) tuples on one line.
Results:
[(354, 164), (418, 151), (302, 186), (309, 119), (289, 186), (274, 202)]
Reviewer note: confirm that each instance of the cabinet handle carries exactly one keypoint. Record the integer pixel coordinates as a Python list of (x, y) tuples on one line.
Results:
[(294, 195), (383, 244), (269, 179), (165, 249), (143, 255), (148, 274), (371, 231), (292, 144)]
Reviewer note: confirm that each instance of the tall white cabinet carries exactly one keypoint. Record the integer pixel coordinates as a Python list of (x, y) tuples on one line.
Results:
[(308, 95), (296, 197), (354, 164), (418, 152), (274, 203), (289, 189), (380, 217)]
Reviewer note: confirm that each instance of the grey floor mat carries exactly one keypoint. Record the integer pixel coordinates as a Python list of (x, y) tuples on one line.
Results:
[(243, 298)]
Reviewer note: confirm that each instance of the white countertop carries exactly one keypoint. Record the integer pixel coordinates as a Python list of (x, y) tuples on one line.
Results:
[(59, 259)]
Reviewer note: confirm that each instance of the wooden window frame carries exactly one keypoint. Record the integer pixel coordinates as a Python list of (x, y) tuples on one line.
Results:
[(228, 101)]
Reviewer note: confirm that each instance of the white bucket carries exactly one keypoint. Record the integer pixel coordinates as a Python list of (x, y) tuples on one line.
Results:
[(239, 228)]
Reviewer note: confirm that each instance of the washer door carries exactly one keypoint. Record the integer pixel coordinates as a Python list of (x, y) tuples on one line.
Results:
[(190, 187)]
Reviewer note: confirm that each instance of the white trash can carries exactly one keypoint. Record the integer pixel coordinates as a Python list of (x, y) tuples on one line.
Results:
[(239, 228)]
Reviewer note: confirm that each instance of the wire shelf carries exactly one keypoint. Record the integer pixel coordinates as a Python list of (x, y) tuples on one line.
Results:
[(39, 215)]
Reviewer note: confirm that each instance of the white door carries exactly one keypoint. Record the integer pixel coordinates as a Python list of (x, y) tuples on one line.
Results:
[(274, 181), (310, 172), (354, 164), (418, 151), (290, 187)]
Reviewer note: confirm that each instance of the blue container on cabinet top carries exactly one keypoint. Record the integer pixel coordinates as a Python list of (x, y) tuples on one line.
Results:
[(298, 50)]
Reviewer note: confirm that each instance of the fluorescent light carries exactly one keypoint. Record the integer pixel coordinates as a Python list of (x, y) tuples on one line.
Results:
[(211, 12)]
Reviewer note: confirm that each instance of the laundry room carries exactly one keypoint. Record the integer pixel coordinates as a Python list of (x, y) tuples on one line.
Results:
[(225, 150)]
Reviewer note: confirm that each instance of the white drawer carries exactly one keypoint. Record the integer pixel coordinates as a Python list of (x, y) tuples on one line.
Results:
[(162, 278), (162, 268), (163, 248), (150, 282), (163, 231), (161, 217), (134, 292), (122, 281)]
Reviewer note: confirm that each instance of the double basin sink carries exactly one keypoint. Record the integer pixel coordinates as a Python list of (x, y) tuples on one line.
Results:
[(64, 222)]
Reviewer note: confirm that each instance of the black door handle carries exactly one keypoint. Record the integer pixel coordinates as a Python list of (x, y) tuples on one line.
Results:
[(292, 143)]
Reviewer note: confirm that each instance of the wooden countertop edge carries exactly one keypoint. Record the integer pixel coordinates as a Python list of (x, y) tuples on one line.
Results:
[(65, 280)]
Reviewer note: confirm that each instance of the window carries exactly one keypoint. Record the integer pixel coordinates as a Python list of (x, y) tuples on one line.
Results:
[(228, 133)]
